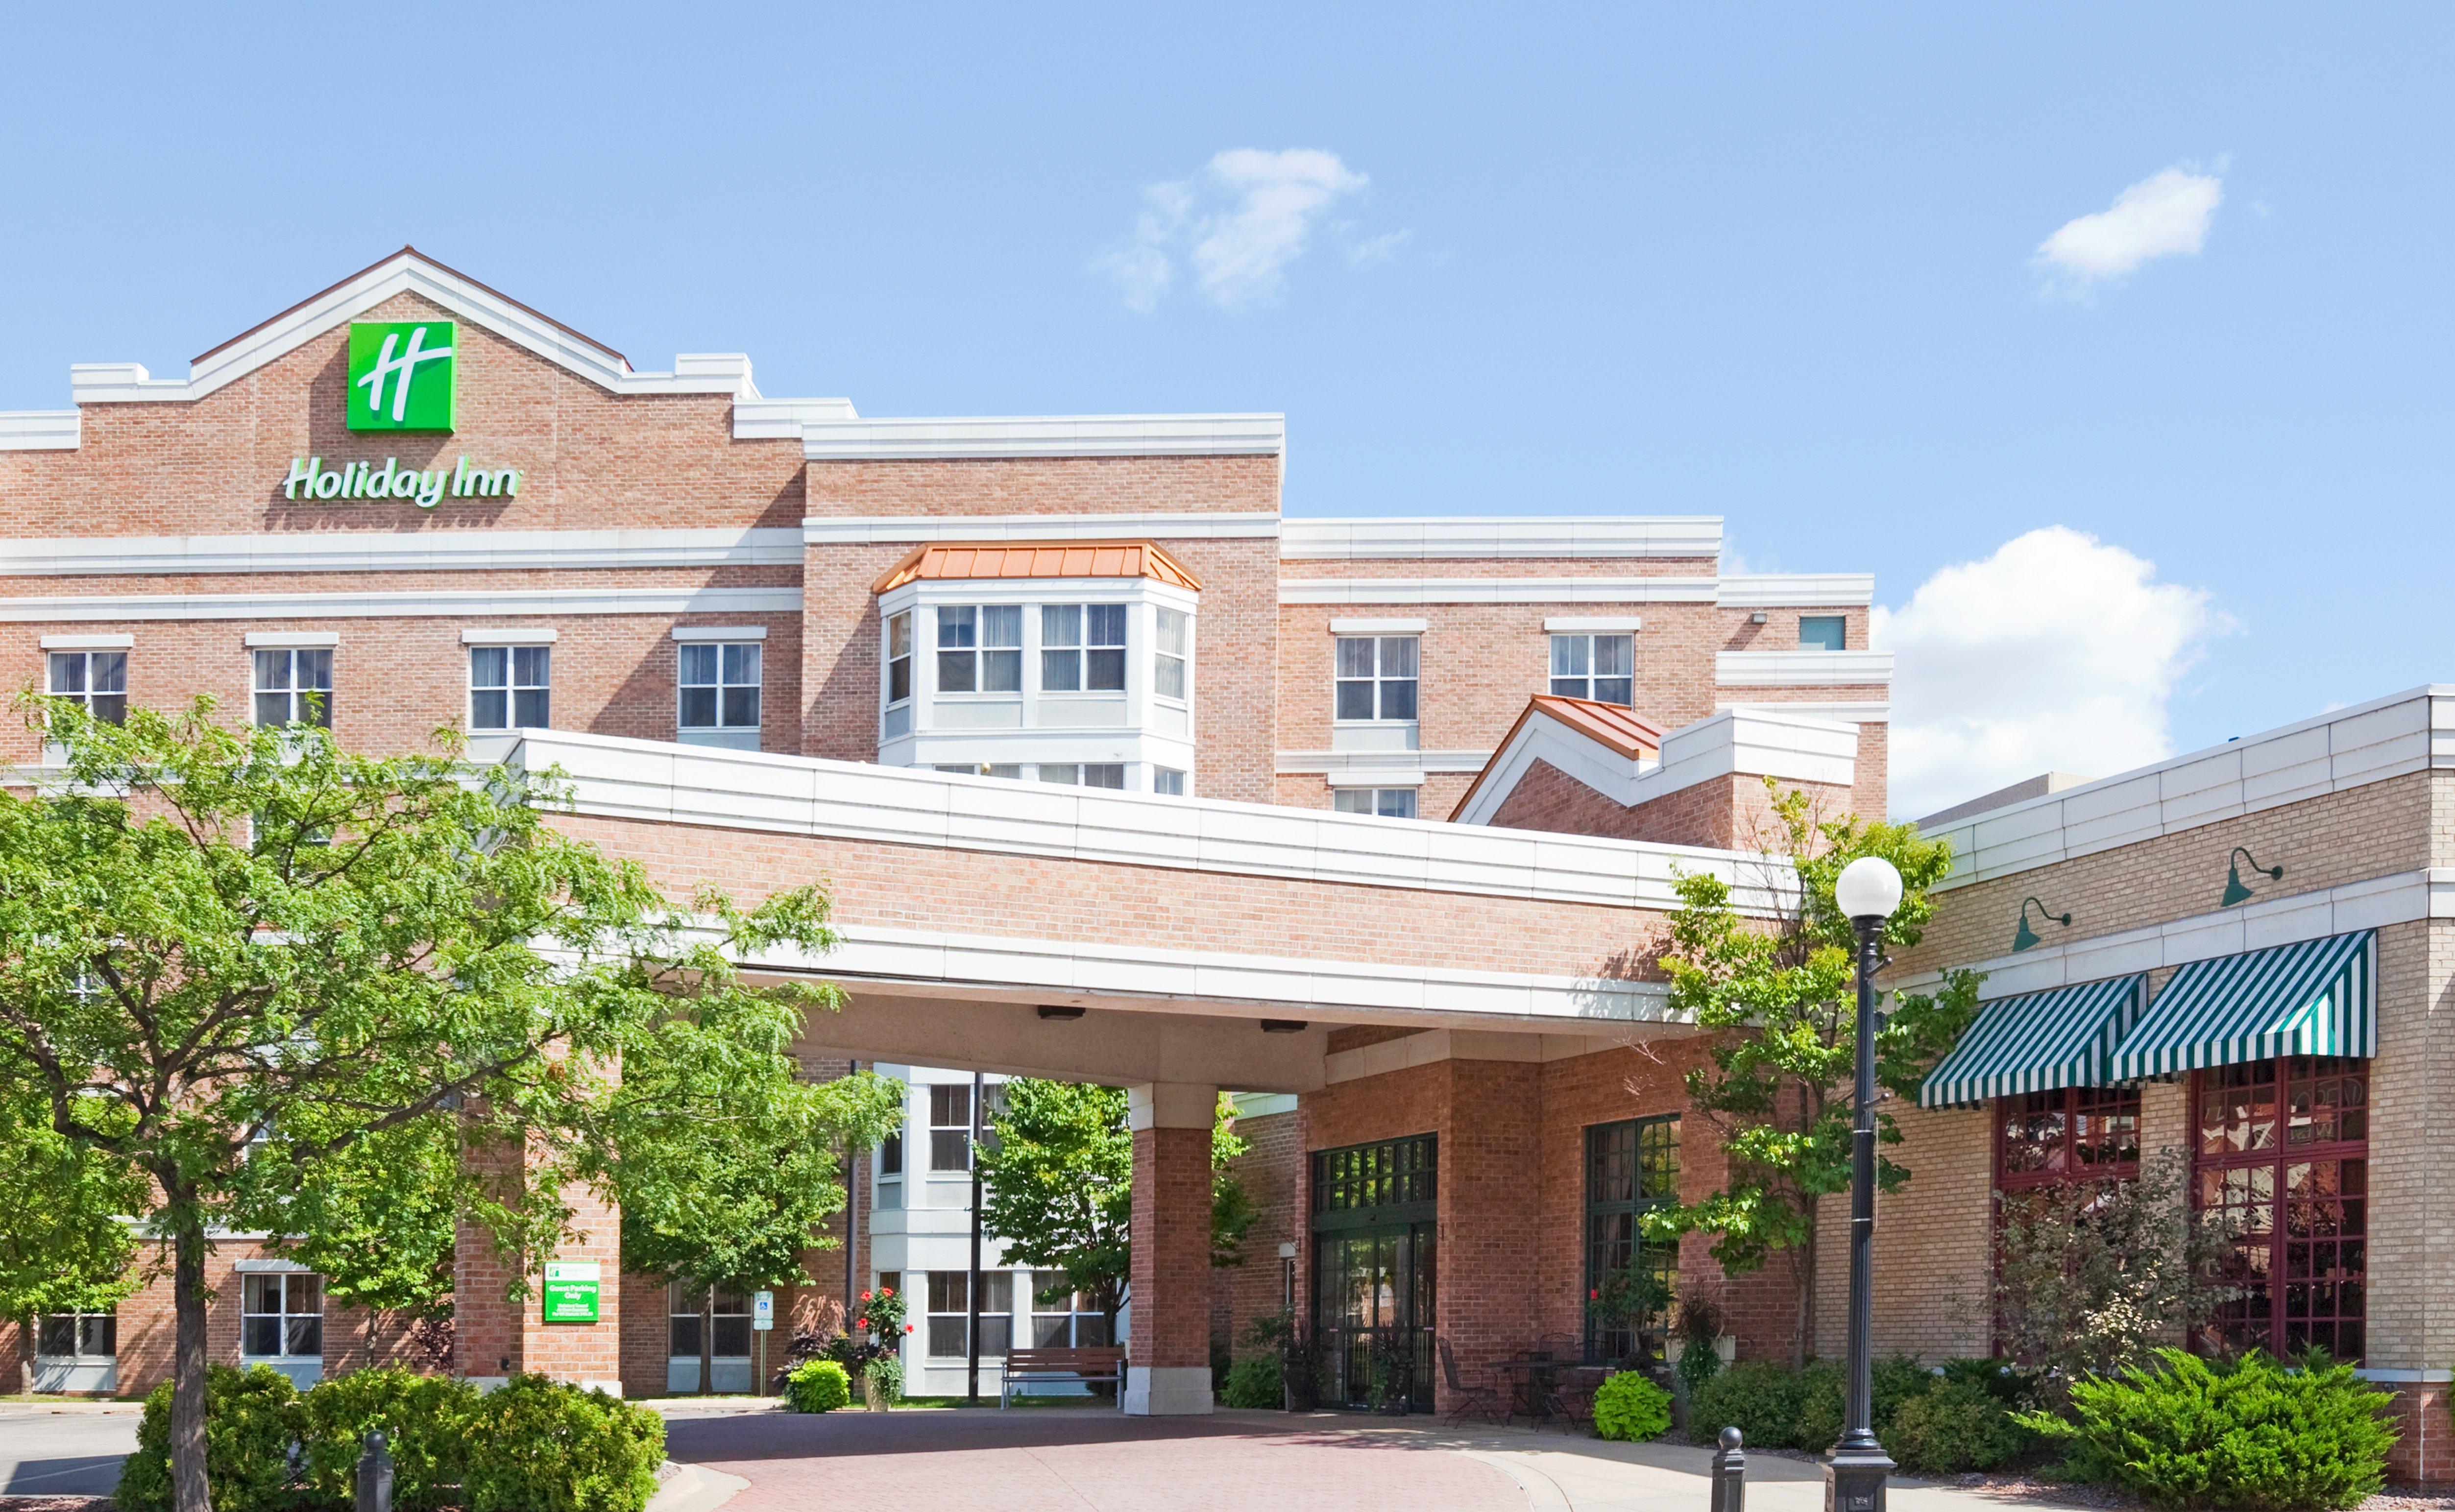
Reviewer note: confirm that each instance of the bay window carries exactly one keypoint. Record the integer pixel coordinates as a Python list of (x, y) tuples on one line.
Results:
[(899, 674), (1169, 677)]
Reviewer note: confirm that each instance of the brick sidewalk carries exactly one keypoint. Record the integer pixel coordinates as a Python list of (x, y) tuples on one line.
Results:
[(1090, 1460)]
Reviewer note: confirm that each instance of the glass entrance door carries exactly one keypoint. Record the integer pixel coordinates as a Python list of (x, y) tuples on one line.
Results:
[(1375, 1272)]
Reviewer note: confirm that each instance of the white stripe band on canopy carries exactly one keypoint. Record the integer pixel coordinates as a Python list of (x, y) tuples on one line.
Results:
[(2041, 1040), (2316, 998)]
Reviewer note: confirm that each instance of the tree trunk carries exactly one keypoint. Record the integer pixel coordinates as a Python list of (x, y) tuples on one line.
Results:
[(190, 1491), (1803, 1282), (707, 1343)]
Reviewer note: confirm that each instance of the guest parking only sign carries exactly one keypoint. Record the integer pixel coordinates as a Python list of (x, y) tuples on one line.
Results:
[(571, 1292)]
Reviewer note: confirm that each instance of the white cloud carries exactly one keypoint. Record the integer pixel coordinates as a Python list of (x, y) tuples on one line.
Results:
[(1237, 226), (2165, 214), (2056, 653)]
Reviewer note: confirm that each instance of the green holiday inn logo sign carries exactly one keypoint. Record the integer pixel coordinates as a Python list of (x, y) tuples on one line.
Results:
[(403, 375)]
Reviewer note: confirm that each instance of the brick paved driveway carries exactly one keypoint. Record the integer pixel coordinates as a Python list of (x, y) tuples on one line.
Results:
[(1078, 1461)]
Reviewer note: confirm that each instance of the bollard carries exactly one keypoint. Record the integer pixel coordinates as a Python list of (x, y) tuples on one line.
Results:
[(375, 1475), (1730, 1474)]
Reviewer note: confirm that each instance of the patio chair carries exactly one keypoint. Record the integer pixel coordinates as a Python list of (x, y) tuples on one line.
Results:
[(1571, 1399), (1467, 1401)]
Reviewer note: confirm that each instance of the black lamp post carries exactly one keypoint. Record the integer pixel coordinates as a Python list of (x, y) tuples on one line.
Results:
[(1867, 892)]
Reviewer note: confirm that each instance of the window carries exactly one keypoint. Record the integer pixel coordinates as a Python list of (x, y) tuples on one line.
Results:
[(890, 1153), (720, 685), (1375, 1237), (1630, 1167), (1389, 804), (1167, 780), (510, 687), (1823, 632), (1602, 668), (1376, 676), (950, 1127), (1010, 770), (2281, 1154), (899, 674), (950, 1313), (1175, 645), (2071, 1134), (979, 649), (1085, 773), (294, 686), (691, 1306), (1391, 1174), (91, 1336), (97, 679), (281, 1314), (1082, 647), (1062, 1318)]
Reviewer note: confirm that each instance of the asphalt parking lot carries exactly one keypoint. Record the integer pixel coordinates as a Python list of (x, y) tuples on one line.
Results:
[(73, 1453)]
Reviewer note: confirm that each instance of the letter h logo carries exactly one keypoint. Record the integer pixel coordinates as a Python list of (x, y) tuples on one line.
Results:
[(401, 374)]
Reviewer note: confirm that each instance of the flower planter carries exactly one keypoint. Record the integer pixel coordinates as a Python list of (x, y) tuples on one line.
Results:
[(871, 1396)]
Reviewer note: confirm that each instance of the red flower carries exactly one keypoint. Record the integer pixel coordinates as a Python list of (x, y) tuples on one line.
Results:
[(1595, 1296), (886, 1291), (907, 1328), (864, 1297)]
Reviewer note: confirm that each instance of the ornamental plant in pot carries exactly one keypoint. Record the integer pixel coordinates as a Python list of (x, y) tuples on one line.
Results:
[(879, 1352)]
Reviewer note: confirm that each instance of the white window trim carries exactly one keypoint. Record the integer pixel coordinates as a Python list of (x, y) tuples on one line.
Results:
[(510, 688), (293, 639), (719, 732), (1604, 624), (511, 635), (89, 642), (1376, 779), (1379, 627), (719, 631), (1377, 679)]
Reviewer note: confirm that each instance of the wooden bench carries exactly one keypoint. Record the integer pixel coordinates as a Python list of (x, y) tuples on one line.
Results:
[(1084, 1366)]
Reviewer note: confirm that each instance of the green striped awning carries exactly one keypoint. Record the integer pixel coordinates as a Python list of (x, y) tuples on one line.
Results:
[(2037, 1042), (2319, 998)]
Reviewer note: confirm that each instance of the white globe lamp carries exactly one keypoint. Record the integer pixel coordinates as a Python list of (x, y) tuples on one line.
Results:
[(1869, 887)]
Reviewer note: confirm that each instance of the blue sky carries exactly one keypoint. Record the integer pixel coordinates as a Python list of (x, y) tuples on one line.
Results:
[(1777, 263)]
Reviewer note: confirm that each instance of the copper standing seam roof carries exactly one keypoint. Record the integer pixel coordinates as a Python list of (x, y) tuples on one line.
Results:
[(975, 560), (1606, 724)]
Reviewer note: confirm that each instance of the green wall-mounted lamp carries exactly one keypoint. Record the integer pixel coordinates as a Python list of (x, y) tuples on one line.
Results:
[(2024, 936), (2235, 892)]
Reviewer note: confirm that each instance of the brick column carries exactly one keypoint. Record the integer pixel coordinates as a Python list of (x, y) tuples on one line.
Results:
[(495, 1336), (1167, 1369)]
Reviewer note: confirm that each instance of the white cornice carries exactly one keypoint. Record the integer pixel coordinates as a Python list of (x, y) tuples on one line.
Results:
[(756, 419), (863, 530), (1802, 590), (1495, 589), (1759, 742), (1801, 668), (2371, 742), (2373, 903), (1505, 536), (745, 790), (1311, 763), (1868, 711), (116, 609), (39, 430), (434, 549), (918, 438)]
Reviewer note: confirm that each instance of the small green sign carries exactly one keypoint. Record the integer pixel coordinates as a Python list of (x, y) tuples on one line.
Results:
[(401, 374), (571, 1292)]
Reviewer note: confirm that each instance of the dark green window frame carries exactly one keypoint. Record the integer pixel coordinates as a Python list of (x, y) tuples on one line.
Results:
[(1390, 1180), (1632, 1166)]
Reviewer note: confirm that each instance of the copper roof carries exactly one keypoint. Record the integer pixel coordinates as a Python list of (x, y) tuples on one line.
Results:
[(1610, 725), (972, 560)]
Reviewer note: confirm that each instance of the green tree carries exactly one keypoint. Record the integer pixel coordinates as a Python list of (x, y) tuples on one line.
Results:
[(63, 1247), (1057, 1186), (229, 958), (1781, 994), (725, 1160)]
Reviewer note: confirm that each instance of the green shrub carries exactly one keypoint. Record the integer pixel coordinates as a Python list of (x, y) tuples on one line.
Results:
[(1629, 1406), (538, 1446), (251, 1419), (2253, 1433), (425, 1422), (1775, 1407), (1255, 1382), (1958, 1426), (818, 1385)]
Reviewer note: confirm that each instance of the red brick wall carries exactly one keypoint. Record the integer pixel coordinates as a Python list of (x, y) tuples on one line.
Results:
[(1170, 1233), (1271, 1169), (1726, 813)]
